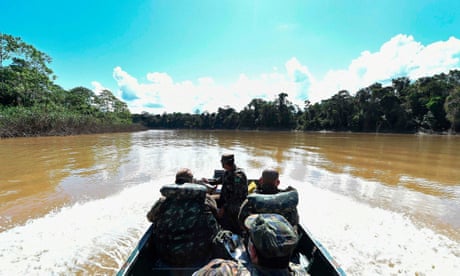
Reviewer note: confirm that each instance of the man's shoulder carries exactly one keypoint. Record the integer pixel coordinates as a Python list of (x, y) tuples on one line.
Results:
[(239, 170), (240, 174)]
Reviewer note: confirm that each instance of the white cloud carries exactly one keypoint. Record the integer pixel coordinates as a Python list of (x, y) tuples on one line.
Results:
[(97, 87), (162, 94), (400, 56), (160, 78)]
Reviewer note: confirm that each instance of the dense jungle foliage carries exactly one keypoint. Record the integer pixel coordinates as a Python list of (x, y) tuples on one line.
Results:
[(430, 104), (31, 104)]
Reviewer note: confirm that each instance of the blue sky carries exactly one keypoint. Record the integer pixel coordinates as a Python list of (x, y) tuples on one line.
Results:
[(180, 56)]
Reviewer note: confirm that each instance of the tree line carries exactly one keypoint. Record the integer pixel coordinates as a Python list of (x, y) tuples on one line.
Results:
[(32, 104), (429, 104)]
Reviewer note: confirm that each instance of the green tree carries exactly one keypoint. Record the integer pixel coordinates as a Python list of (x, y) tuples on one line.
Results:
[(226, 118), (25, 76), (81, 99), (452, 107), (111, 107), (286, 112)]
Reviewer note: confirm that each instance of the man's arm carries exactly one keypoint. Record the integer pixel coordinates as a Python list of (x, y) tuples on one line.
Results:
[(245, 211), (152, 214)]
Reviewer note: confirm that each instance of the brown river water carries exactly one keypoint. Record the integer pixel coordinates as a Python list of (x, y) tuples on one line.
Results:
[(381, 204)]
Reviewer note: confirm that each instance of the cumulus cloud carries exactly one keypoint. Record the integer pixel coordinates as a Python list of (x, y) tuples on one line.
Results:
[(400, 56), (162, 94), (98, 87)]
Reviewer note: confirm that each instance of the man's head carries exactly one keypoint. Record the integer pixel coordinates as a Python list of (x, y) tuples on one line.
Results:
[(271, 239), (270, 177), (227, 160), (184, 175)]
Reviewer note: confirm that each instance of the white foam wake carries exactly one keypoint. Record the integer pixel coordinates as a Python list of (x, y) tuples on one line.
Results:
[(67, 240), (372, 241)]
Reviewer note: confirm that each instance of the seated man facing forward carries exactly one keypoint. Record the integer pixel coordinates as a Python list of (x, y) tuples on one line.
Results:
[(272, 240), (267, 198), (184, 224)]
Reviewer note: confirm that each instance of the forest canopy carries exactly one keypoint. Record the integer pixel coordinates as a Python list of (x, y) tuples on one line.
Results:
[(31, 104), (429, 104)]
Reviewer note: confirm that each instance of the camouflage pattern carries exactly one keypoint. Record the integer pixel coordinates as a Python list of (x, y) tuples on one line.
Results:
[(222, 267), (234, 192), (184, 191), (293, 269), (283, 203), (272, 235), (153, 213), (184, 229)]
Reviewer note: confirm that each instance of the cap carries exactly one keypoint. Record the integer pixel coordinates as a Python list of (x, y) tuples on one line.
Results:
[(271, 234), (227, 158), (270, 175), (184, 175)]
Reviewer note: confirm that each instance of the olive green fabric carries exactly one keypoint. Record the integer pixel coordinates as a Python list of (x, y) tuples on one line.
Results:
[(184, 226), (283, 203), (184, 191), (272, 235)]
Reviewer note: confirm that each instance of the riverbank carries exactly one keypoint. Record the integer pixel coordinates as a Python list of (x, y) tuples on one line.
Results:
[(29, 131), (34, 122), (68, 131)]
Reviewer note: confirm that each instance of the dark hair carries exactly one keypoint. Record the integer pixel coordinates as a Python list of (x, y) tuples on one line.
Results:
[(184, 175)]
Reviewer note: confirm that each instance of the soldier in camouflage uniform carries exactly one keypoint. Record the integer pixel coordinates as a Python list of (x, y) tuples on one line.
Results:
[(184, 175), (184, 224), (234, 191), (267, 198), (272, 240)]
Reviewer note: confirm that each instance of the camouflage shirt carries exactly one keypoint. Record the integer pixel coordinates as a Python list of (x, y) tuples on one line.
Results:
[(184, 227), (221, 267), (210, 206), (293, 269), (234, 190)]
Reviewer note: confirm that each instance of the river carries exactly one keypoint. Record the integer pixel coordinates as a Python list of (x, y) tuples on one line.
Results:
[(381, 204)]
